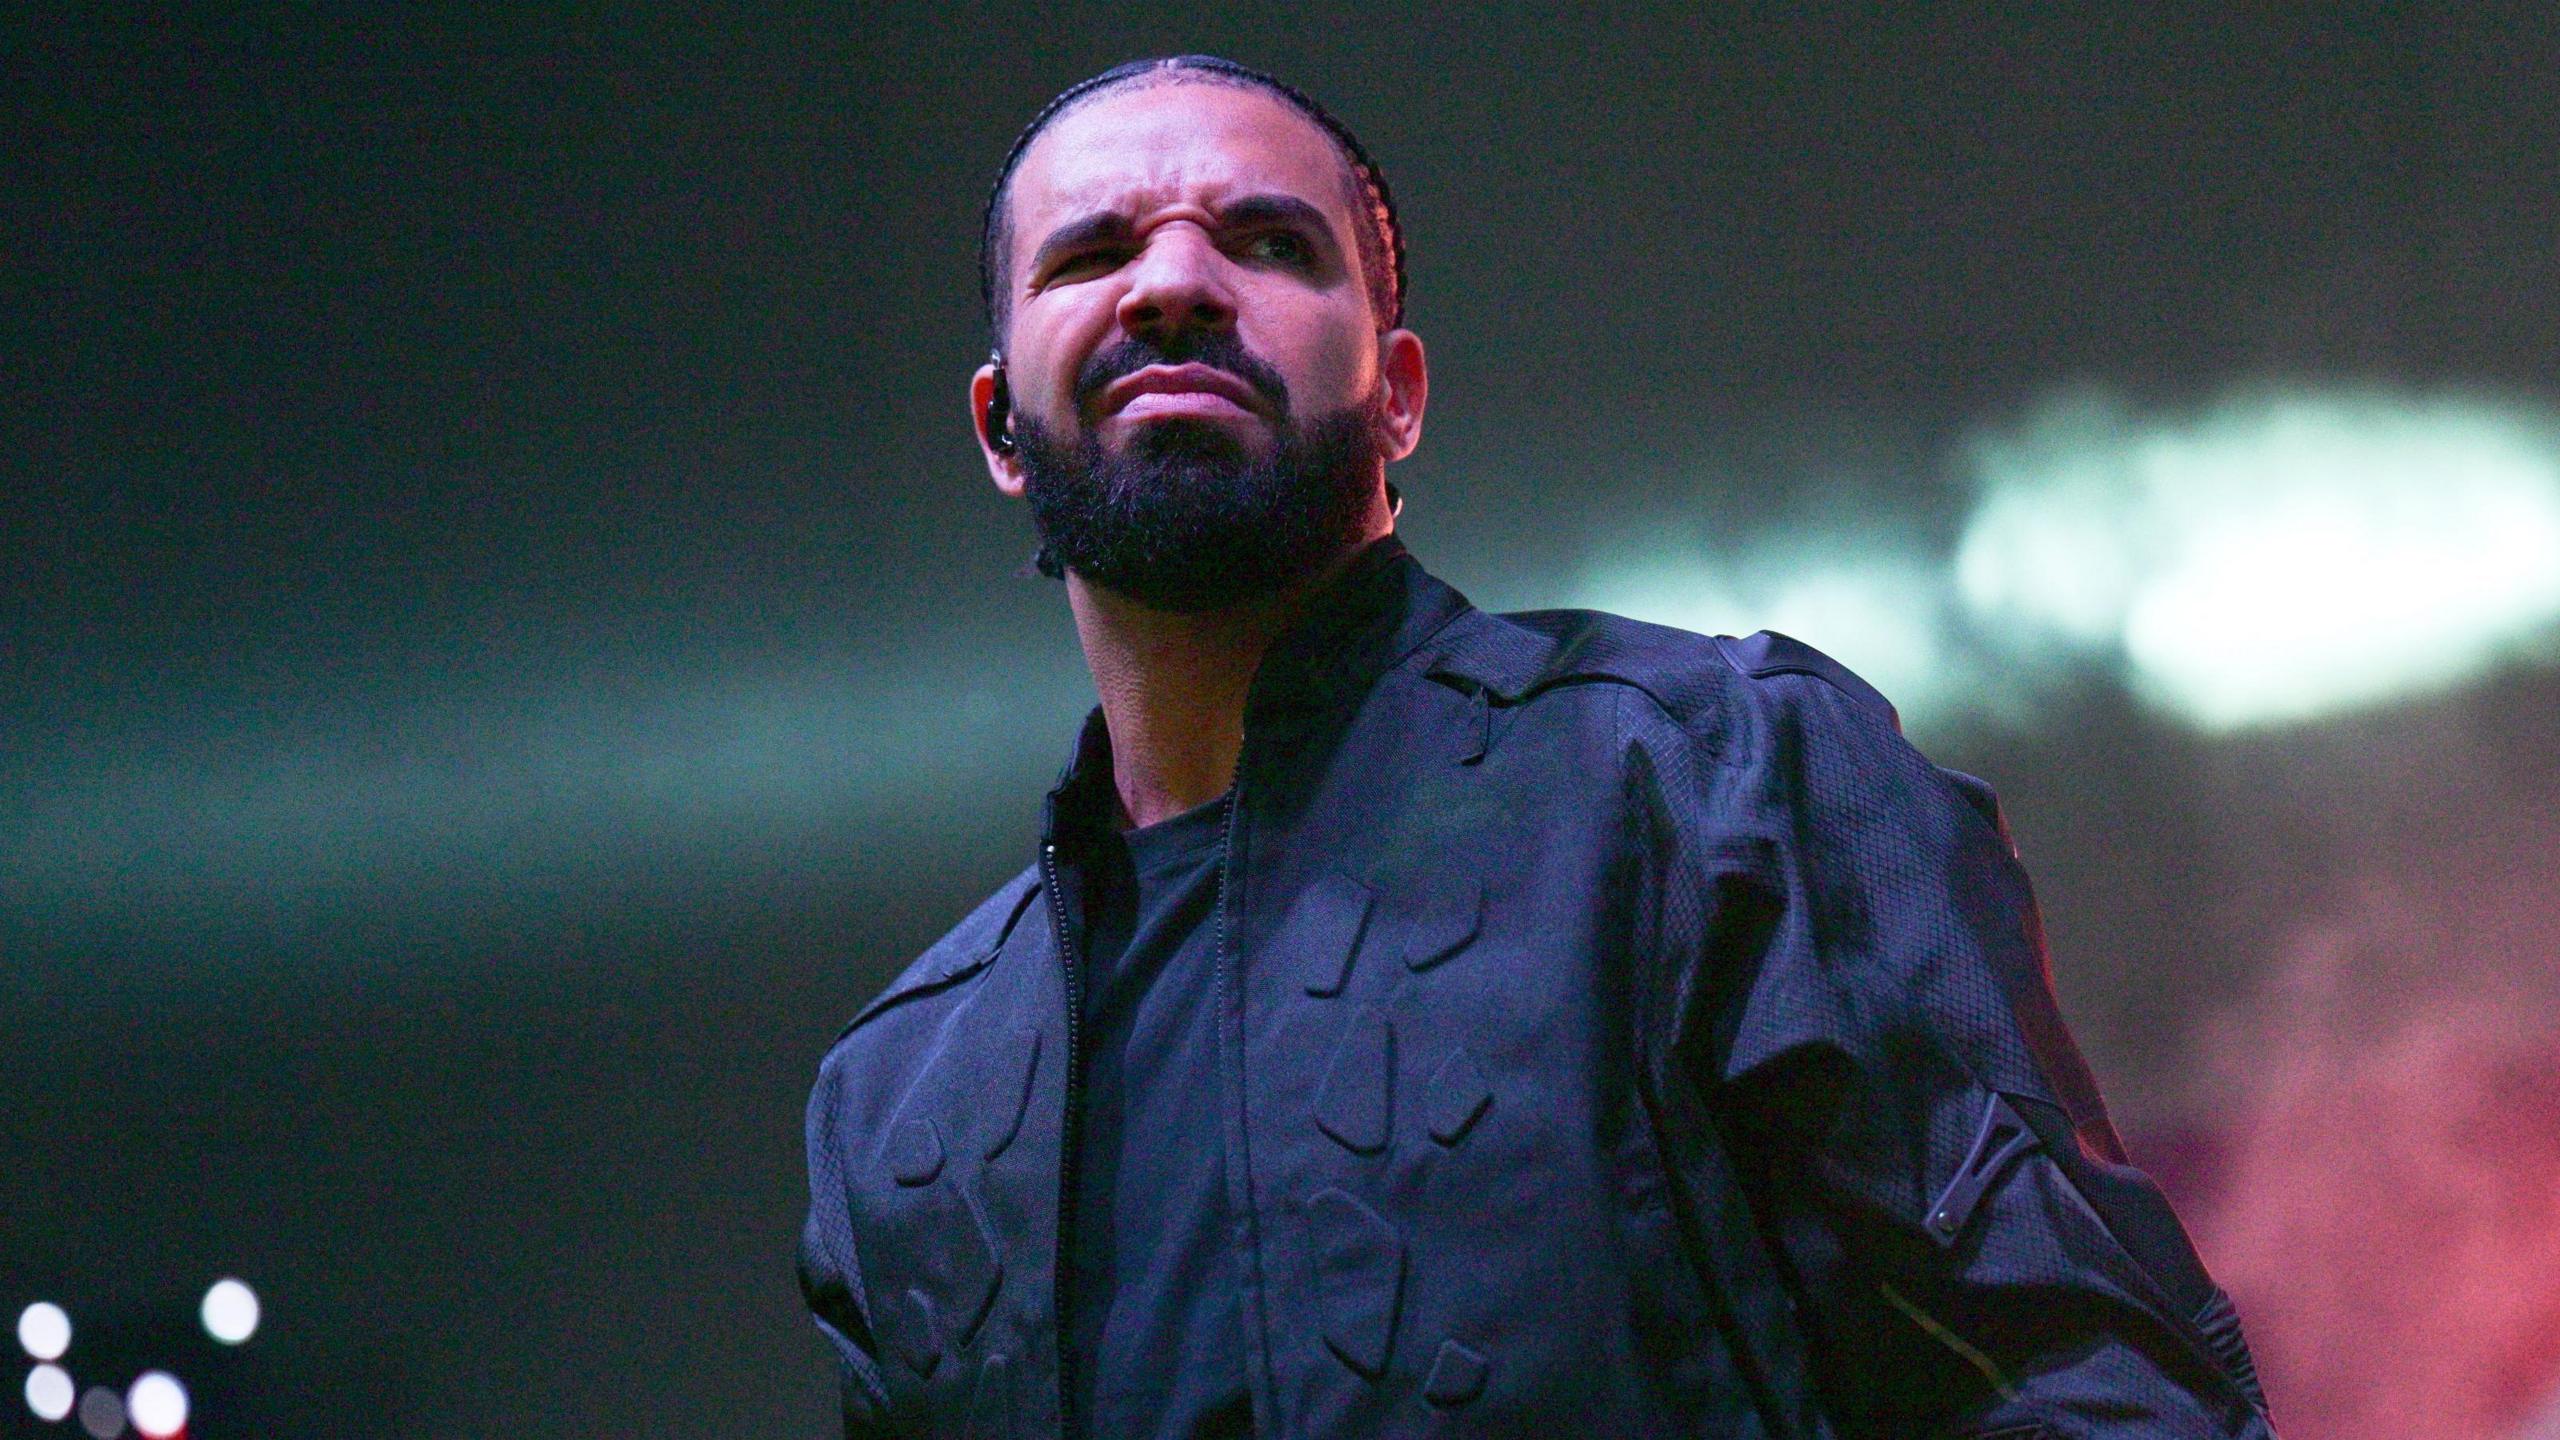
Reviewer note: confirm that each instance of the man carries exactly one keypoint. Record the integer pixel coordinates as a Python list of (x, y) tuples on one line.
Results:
[(1422, 1021)]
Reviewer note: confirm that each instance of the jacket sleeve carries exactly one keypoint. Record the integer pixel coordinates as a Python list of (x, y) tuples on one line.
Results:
[(830, 1277), (1923, 1155)]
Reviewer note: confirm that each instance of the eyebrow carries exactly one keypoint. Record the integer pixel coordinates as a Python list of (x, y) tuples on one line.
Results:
[(1077, 234), (1251, 210), (1243, 212)]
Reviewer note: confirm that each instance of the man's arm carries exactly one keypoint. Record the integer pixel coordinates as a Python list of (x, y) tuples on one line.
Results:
[(1924, 1156), (831, 1278)]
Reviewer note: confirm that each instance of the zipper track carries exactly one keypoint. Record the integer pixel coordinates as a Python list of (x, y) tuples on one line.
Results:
[(1249, 1325), (1226, 867), (1068, 1135), (1073, 1127)]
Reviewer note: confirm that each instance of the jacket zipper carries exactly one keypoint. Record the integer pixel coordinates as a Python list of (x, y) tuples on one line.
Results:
[(1068, 1132), (1247, 1326), (1075, 1073)]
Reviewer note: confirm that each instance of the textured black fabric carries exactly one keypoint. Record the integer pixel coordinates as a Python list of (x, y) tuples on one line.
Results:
[(1600, 1011)]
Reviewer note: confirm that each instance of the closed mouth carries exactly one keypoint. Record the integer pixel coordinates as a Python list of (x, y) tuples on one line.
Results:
[(1190, 379)]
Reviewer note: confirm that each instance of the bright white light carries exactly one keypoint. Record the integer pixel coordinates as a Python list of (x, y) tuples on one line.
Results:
[(157, 1403), (1880, 619), (2048, 537), (44, 1330), (1872, 608), (102, 1413), (49, 1392), (230, 1311), (1688, 593), (2275, 559)]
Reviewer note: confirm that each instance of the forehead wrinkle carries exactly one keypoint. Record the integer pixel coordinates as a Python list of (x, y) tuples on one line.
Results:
[(1262, 204), (1178, 164)]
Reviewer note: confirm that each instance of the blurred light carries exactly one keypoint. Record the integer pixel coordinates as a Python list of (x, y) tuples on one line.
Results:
[(2274, 559), (459, 783), (44, 1330), (1872, 607), (49, 1392), (158, 1404), (101, 1413), (230, 1311), (1688, 593)]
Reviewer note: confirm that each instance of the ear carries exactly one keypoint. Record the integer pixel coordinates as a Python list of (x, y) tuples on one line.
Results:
[(1004, 469), (1407, 378)]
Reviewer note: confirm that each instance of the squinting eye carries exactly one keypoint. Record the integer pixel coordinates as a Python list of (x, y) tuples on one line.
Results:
[(1283, 247), (1088, 262)]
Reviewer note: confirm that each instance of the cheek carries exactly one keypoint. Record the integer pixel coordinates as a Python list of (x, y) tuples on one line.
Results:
[(1047, 348), (1332, 364)]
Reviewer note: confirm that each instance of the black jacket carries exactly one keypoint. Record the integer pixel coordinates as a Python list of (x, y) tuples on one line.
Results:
[(1625, 1033)]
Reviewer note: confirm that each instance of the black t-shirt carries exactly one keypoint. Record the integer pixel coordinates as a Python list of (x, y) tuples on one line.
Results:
[(1157, 1345)]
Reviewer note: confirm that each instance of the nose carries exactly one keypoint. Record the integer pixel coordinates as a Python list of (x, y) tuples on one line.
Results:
[(1178, 283)]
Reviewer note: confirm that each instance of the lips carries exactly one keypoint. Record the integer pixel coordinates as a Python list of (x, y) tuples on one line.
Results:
[(1192, 379)]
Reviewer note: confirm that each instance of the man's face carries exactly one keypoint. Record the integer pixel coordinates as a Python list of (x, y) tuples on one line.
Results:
[(1194, 364)]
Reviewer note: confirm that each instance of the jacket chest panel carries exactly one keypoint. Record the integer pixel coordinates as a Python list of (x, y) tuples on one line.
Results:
[(1464, 1219)]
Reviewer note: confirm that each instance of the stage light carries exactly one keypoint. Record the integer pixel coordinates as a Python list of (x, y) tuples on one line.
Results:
[(158, 1404), (1862, 600), (102, 1413), (44, 1330), (230, 1311), (50, 1392), (2274, 559)]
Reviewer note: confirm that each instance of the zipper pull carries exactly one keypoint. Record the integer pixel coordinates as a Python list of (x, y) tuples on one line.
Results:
[(2001, 1138)]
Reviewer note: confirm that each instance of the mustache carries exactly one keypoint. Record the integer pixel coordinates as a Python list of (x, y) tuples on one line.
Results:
[(1217, 349)]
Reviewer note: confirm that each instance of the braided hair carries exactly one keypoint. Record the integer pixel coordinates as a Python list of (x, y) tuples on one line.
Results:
[(1380, 235)]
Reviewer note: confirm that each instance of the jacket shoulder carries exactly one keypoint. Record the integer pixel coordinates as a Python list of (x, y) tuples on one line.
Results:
[(1699, 680), (1752, 686), (963, 950)]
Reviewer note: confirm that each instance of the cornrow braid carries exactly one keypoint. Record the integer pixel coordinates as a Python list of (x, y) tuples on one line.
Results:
[(1381, 235)]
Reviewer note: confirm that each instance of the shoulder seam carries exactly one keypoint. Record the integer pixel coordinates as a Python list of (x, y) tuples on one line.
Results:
[(1803, 659), (919, 979)]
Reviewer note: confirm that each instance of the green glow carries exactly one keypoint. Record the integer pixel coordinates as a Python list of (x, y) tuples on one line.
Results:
[(479, 790), (2276, 558), (1873, 605)]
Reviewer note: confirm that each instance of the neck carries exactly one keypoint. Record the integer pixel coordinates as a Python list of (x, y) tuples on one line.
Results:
[(1173, 687)]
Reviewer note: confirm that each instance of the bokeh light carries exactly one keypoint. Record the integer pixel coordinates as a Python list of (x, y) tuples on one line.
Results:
[(2277, 558), (230, 1311), (102, 1413), (1867, 601), (50, 1392), (157, 1404), (44, 1330), (2270, 559)]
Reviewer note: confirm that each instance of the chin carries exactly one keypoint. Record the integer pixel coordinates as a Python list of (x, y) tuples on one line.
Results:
[(1182, 437)]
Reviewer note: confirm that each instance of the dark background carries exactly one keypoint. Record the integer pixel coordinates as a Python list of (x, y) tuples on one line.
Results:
[(508, 642)]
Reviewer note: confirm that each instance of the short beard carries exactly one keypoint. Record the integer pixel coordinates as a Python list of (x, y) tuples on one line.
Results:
[(1184, 521)]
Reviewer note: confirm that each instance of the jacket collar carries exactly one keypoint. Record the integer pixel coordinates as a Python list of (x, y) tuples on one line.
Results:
[(1378, 611), (1081, 806)]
